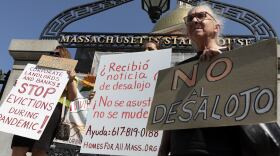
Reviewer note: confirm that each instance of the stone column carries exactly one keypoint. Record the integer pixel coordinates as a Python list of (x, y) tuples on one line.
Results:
[(23, 52)]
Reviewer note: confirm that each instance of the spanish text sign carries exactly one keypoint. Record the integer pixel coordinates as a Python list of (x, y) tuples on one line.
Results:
[(28, 107), (124, 91), (235, 88)]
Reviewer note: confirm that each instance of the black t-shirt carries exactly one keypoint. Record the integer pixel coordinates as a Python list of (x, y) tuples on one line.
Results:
[(217, 141), (194, 58)]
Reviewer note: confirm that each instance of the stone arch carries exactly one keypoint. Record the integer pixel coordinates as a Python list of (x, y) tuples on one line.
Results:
[(258, 26), (56, 25)]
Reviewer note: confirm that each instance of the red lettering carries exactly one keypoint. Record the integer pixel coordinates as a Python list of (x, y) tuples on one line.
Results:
[(9, 98), (32, 87), (181, 75), (228, 67), (49, 91), (35, 90), (112, 66), (23, 86), (38, 92)]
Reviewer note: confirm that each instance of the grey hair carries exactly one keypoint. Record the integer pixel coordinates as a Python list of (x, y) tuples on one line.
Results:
[(207, 7)]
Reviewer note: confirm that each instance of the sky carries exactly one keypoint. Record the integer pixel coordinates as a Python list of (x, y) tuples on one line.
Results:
[(26, 19)]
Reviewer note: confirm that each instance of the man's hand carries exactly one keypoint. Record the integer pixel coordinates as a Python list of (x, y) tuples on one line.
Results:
[(208, 54)]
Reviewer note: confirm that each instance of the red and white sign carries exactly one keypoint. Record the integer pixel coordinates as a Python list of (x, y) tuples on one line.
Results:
[(28, 107), (124, 91)]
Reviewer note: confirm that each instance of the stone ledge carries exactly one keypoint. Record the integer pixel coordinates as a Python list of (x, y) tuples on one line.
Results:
[(21, 49)]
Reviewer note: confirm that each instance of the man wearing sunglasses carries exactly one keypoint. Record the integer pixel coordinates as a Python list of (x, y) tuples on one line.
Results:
[(203, 28)]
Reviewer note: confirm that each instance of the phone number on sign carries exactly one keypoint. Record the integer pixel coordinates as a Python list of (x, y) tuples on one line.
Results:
[(122, 131)]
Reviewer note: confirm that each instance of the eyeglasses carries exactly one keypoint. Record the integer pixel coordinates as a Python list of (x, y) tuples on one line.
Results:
[(200, 16), (55, 54), (150, 48)]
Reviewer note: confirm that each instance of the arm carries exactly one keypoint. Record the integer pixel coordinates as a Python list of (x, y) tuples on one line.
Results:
[(71, 86), (164, 148)]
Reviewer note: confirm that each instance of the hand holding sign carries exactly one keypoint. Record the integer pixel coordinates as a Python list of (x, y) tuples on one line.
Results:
[(71, 74)]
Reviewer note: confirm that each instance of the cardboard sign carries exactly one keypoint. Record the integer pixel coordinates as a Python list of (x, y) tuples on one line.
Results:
[(57, 63), (234, 88), (124, 91), (28, 107)]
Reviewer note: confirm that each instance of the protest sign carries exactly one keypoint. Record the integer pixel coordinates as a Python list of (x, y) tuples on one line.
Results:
[(96, 59), (57, 62), (234, 88), (124, 90), (77, 112), (28, 107)]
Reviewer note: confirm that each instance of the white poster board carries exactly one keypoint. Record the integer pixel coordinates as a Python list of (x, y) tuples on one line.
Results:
[(124, 91), (27, 109)]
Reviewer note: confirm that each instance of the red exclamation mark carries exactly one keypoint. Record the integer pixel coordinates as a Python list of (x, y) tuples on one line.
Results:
[(93, 104), (43, 124)]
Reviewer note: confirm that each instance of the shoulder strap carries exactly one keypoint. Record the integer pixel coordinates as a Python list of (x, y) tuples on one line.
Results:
[(63, 113)]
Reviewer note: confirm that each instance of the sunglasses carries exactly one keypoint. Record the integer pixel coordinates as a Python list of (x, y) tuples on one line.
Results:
[(55, 54), (200, 16)]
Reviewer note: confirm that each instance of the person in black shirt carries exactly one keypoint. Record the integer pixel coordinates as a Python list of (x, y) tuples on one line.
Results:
[(203, 28)]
